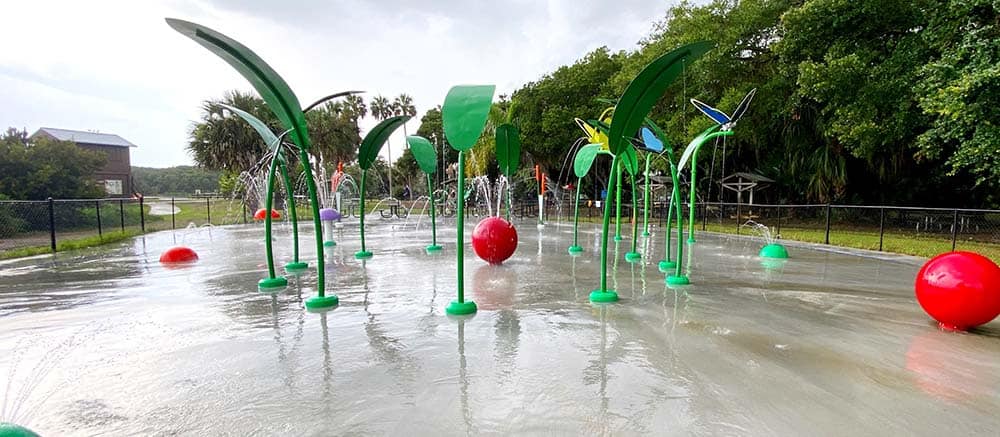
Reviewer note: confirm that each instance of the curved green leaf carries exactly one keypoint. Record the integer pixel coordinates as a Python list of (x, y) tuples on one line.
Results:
[(464, 114), (423, 152), (272, 141), (630, 160), (647, 87), (508, 148), (694, 145), (375, 139), (585, 159), (271, 87)]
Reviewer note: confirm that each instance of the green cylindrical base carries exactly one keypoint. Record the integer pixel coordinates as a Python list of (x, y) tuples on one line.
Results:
[(296, 267), (575, 250), (363, 254), (433, 248), (457, 308), (678, 280), (618, 238), (601, 296), (690, 240), (645, 233), (329, 243), (320, 302), (774, 250), (667, 265), (633, 256), (269, 283), (12, 430)]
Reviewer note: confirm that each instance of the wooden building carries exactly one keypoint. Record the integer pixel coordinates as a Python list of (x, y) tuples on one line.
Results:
[(116, 176)]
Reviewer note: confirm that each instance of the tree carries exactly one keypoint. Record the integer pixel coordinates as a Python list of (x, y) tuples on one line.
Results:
[(334, 130), (960, 90), (182, 180), (222, 141), (432, 128), (44, 167)]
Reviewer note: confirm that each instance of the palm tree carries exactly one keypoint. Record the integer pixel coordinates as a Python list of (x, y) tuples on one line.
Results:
[(381, 109), (222, 142), (356, 107)]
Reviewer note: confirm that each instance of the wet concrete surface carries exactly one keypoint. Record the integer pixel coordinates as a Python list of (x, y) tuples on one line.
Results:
[(108, 341)]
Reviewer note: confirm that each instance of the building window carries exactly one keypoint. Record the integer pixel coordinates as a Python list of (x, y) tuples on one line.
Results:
[(113, 186)]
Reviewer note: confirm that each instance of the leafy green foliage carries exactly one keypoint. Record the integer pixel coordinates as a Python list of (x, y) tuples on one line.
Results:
[(42, 168), (181, 180)]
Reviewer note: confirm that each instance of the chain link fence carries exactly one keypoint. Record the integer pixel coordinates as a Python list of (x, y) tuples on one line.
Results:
[(54, 225)]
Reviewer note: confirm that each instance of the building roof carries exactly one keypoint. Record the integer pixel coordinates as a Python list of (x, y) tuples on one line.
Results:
[(85, 137), (753, 177)]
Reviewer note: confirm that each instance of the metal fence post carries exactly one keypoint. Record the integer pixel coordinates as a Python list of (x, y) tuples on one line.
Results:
[(173, 214), (142, 216), (778, 229), (244, 212), (208, 209), (881, 226), (827, 239), (954, 230), (52, 224), (738, 214), (121, 212), (100, 232)]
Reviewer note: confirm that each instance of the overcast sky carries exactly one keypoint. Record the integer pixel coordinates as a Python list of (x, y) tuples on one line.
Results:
[(116, 67)]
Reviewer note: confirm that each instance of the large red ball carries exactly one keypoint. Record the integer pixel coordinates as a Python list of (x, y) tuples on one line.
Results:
[(494, 240), (261, 214), (178, 254), (960, 290)]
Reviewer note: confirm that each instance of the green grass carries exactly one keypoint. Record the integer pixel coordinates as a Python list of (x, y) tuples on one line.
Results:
[(70, 244)]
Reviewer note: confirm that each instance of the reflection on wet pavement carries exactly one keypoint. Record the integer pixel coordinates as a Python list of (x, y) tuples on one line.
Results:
[(109, 341)]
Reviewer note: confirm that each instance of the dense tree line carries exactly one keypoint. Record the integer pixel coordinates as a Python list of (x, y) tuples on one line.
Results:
[(181, 180), (863, 101), (41, 168)]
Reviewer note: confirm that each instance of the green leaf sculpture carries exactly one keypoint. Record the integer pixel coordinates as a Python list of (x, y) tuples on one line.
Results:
[(271, 87), (508, 148), (278, 160), (375, 139), (367, 154), (464, 116), (423, 152), (581, 166), (630, 160), (282, 101), (585, 159), (644, 91)]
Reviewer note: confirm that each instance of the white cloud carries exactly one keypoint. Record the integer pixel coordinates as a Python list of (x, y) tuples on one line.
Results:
[(115, 66)]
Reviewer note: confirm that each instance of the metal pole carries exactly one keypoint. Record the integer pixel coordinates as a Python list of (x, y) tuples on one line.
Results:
[(778, 231), (173, 214), (704, 215), (244, 212), (954, 230), (142, 215), (100, 232), (52, 224), (881, 226), (121, 212), (208, 209), (827, 239), (738, 214)]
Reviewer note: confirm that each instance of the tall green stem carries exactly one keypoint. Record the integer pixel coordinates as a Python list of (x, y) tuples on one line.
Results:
[(460, 247), (680, 229), (605, 226), (314, 201), (576, 212), (268, 204), (364, 173), (430, 193), (618, 200), (291, 209), (635, 217), (694, 184), (674, 197), (645, 200)]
